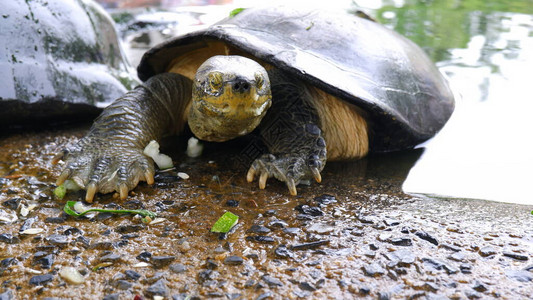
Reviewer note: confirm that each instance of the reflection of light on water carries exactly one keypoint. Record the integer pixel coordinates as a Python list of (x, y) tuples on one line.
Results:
[(486, 149)]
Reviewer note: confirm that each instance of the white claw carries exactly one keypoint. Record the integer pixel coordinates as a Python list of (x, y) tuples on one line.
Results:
[(263, 180)]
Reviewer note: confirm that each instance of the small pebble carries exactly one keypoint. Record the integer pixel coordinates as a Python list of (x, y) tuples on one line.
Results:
[(132, 275), (41, 279), (373, 270), (261, 239), (516, 256), (233, 260), (178, 268), (162, 261), (71, 275), (271, 281), (487, 251), (259, 229), (427, 237), (159, 288)]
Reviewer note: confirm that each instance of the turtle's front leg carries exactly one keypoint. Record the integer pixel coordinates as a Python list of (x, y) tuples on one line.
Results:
[(291, 131), (110, 157)]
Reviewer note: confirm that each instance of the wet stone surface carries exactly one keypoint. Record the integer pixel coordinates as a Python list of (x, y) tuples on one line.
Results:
[(354, 235)]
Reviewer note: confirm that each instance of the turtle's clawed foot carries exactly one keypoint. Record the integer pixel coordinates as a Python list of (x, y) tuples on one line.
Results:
[(288, 168), (98, 167)]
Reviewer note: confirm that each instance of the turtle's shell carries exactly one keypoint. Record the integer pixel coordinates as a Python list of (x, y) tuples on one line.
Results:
[(58, 60), (360, 61)]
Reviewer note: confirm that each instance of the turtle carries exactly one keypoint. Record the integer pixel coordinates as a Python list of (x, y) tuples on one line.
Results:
[(63, 62), (313, 85)]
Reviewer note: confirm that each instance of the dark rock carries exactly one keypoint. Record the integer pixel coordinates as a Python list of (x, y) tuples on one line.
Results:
[(391, 222), (7, 262), (7, 295), (383, 295), (211, 264), (404, 230), (305, 209), (402, 257), (41, 279), (123, 285), (516, 256), (110, 258), (72, 231), (259, 229), (271, 281), (56, 220), (291, 230), (112, 297), (102, 216), (487, 251), (480, 287), (367, 219), (270, 213), (427, 237), (325, 199), (465, 268), (102, 246), (12, 203), (150, 280), (364, 290), (27, 224), (450, 247), (159, 288), (57, 240), (306, 286), (232, 203), (311, 245), (132, 275), (439, 265), (178, 268), (519, 275), (85, 242), (46, 261), (457, 256), (264, 296), (129, 228), (373, 270), (249, 283), (430, 286), (144, 256), (403, 241), (206, 275), (282, 251), (162, 261), (261, 239), (8, 238), (277, 224), (233, 260), (373, 247)]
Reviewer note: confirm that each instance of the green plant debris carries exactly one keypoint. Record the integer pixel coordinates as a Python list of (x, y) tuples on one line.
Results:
[(60, 191), (225, 223), (235, 12), (101, 266), (310, 26), (147, 215)]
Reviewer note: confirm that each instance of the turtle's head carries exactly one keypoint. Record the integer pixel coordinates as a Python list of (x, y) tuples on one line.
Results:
[(231, 95)]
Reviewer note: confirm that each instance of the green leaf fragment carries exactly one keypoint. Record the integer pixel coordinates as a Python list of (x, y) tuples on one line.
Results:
[(235, 12), (60, 191), (69, 209), (225, 223)]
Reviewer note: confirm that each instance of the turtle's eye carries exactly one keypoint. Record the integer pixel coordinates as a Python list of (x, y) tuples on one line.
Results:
[(259, 81), (215, 81)]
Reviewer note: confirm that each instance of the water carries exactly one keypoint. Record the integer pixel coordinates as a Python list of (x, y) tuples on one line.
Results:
[(485, 48)]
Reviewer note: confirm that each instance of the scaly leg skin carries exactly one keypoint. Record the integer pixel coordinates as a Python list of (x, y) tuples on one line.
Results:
[(110, 157), (291, 131)]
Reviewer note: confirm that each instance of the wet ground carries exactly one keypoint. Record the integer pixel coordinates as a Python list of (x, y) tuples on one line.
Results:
[(354, 235)]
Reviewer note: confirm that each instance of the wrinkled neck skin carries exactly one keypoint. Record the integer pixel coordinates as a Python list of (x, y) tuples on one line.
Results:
[(230, 97)]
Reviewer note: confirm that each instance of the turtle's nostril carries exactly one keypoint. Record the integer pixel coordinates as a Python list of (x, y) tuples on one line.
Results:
[(241, 86)]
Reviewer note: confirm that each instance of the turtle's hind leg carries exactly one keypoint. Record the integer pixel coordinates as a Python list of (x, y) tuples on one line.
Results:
[(291, 131)]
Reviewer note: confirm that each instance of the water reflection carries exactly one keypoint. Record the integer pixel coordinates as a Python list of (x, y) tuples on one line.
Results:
[(484, 151)]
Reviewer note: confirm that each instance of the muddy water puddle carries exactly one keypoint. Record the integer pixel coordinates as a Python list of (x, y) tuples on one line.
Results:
[(356, 234)]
